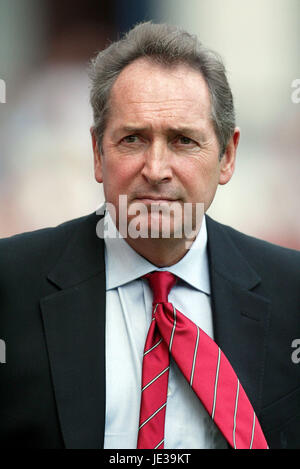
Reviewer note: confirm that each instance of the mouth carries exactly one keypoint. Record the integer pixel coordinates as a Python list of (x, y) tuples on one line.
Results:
[(148, 199)]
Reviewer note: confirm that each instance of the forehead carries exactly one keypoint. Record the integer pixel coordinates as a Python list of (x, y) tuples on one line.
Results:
[(145, 87)]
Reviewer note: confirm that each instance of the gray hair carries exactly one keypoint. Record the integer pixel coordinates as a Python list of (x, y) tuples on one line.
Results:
[(166, 45)]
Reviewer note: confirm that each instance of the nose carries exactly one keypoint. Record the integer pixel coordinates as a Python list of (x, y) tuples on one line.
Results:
[(157, 167)]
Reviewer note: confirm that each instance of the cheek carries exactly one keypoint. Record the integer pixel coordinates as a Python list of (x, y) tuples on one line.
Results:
[(118, 175), (199, 178)]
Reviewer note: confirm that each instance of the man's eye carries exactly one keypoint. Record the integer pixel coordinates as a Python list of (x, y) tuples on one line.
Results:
[(184, 140), (130, 139)]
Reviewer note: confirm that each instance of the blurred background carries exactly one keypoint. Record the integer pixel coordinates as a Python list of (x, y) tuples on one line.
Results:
[(46, 159)]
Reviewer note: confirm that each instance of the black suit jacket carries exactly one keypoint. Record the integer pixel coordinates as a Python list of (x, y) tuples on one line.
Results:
[(52, 318)]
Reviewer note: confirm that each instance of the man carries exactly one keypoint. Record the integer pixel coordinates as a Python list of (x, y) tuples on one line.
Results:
[(76, 310)]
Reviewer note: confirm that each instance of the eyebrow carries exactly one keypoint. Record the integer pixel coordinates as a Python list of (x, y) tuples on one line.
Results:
[(196, 133)]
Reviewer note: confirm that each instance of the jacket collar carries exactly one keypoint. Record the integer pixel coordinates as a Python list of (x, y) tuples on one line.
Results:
[(83, 256)]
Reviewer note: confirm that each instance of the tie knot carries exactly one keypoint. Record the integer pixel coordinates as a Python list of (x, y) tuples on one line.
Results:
[(160, 283)]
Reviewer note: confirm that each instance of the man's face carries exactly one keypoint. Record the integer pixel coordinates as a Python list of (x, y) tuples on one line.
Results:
[(159, 145)]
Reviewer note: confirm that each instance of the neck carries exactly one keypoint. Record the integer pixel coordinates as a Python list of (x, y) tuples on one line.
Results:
[(161, 252)]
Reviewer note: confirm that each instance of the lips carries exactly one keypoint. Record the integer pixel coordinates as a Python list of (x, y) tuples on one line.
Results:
[(154, 199)]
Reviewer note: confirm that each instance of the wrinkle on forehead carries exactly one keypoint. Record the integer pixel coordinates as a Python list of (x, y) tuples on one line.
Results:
[(158, 101), (163, 109)]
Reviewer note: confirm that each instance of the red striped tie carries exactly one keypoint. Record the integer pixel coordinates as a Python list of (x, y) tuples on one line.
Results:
[(204, 366)]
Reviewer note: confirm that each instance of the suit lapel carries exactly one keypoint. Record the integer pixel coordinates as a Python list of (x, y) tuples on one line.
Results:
[(241, 316), (74, 322)]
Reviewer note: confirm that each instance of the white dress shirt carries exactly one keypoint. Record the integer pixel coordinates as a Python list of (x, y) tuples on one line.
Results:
[(128, 317)]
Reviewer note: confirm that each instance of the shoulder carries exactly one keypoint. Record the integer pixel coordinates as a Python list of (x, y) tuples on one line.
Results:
[(260, 254), (32, 248)]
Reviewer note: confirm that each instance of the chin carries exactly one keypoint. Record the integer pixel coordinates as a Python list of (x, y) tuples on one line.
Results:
[(161, 227)]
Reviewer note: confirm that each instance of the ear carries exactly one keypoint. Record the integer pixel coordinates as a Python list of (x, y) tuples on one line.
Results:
[(227, 163), (97, 157)]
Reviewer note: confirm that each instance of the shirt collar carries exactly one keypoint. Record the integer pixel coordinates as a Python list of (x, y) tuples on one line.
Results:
[(124, 264)]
